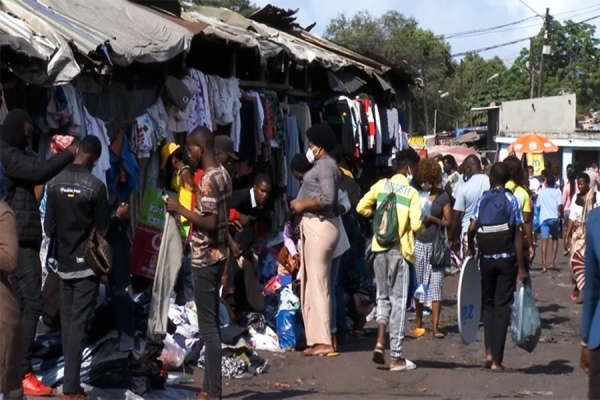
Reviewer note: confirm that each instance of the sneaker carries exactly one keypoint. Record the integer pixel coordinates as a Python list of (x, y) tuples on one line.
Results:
[(33, 387)]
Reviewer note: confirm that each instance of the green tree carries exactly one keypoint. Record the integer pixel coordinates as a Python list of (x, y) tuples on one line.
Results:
[(572, 67), (244, 7), (398, 38), (476, 83)]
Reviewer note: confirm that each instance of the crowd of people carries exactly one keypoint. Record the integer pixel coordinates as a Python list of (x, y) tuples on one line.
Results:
[(426, 213)]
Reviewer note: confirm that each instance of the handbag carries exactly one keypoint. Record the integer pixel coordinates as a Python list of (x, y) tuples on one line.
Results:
[(439, 249), (98, 253)]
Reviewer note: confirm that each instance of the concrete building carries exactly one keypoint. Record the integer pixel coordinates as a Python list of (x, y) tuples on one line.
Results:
[(554, 117)]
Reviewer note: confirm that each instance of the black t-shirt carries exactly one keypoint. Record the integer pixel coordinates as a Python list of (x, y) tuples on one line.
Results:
[(437, 210)]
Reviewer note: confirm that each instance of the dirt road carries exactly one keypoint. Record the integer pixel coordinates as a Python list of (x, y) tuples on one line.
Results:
[(446, 368)]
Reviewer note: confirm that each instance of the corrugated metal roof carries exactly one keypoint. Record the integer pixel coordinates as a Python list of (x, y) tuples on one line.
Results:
[(56, 64), (272, 41), (14, 27), (285, 20), (130, 32)]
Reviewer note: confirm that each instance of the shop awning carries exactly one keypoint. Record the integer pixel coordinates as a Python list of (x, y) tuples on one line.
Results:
[(39, 59), (468, 138), (123, 31)]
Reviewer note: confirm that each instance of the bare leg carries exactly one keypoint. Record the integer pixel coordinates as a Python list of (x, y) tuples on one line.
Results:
[(419, 313), (381, 328), (436, 311), (544, 255), (554, 250)]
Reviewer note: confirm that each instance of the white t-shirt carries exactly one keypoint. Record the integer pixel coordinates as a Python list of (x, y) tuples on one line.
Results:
[(577, 209), (534, 185), (467, 194)]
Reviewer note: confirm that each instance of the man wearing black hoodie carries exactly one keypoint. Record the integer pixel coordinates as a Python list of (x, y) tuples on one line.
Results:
[(23, 172)]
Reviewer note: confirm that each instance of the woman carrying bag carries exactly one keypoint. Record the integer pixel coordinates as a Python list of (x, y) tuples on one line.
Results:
[(431, 246)]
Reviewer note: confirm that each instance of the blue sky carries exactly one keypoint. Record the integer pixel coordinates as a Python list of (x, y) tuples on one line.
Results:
[(450, 16)]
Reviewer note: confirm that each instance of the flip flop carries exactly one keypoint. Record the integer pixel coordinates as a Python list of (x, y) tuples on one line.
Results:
[(439, 335), (419, 332), (378, 355), (409, 366), (332, 354)]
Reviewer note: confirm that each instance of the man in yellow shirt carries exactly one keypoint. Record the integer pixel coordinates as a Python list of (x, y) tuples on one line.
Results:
[(516, 185), (390, 264)]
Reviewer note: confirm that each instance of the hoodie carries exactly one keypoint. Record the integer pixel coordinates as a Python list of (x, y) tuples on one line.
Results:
[(22, 173)]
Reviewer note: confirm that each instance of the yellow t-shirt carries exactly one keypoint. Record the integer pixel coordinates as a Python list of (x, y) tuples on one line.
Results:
[(409, 211), (521, 195), (184, 195)]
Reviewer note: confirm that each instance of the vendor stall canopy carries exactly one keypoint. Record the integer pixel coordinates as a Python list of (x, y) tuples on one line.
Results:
[(120, 30)]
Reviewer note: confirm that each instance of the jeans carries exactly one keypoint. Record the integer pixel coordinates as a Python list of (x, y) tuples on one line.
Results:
[(26, 283), (77, 304), (594, 378), (206, 289), (338, 315), (498, 282), (185, 279), (392, 276), (120, 284)]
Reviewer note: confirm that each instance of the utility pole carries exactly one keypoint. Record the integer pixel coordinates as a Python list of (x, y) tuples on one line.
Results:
[(531, 69), (545, 51)]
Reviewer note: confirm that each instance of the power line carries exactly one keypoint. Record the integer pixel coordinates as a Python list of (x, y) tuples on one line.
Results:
[(449, 35), (514, 41), (490, 47), (514, 28), (495, 29)]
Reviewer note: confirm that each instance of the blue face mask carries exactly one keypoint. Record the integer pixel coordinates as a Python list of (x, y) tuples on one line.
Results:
[(447, 169)]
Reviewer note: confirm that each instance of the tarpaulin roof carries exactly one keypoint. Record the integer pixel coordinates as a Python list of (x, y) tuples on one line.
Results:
[(130, 32), (55, 61)]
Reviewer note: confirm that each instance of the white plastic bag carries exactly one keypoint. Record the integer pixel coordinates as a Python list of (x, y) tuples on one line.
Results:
[(172, 355), (526, 323)]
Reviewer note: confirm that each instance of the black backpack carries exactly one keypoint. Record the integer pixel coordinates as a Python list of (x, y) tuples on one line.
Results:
[(352, 188)]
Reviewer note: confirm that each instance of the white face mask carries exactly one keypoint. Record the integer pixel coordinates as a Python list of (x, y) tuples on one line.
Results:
[(310, 156)]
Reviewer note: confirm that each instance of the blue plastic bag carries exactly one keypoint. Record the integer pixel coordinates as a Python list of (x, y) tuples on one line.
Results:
[(536, 218), (526, 323), (286, 329)]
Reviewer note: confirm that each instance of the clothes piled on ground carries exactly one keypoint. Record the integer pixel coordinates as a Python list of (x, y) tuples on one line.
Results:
[(104, 364)]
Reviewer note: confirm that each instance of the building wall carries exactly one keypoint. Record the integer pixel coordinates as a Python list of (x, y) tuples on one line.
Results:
[(548, 115)]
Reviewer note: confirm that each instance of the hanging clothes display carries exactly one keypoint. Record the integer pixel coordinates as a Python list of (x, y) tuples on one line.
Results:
[(302, 113), (340, 114), (96, 127), (291, 149), (141, 137)]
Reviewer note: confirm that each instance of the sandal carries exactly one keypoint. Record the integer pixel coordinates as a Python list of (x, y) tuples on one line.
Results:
[(574, 295), (408, 366), (439, 335), (379, 354)]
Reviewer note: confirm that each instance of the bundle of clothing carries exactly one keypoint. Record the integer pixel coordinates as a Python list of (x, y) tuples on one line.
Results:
[(103, 364)]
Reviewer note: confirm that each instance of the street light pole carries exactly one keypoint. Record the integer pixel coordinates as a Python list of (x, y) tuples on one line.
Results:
[(437, 107)]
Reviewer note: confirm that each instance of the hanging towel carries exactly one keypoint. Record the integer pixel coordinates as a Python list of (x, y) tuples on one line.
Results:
[(167, 269)]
